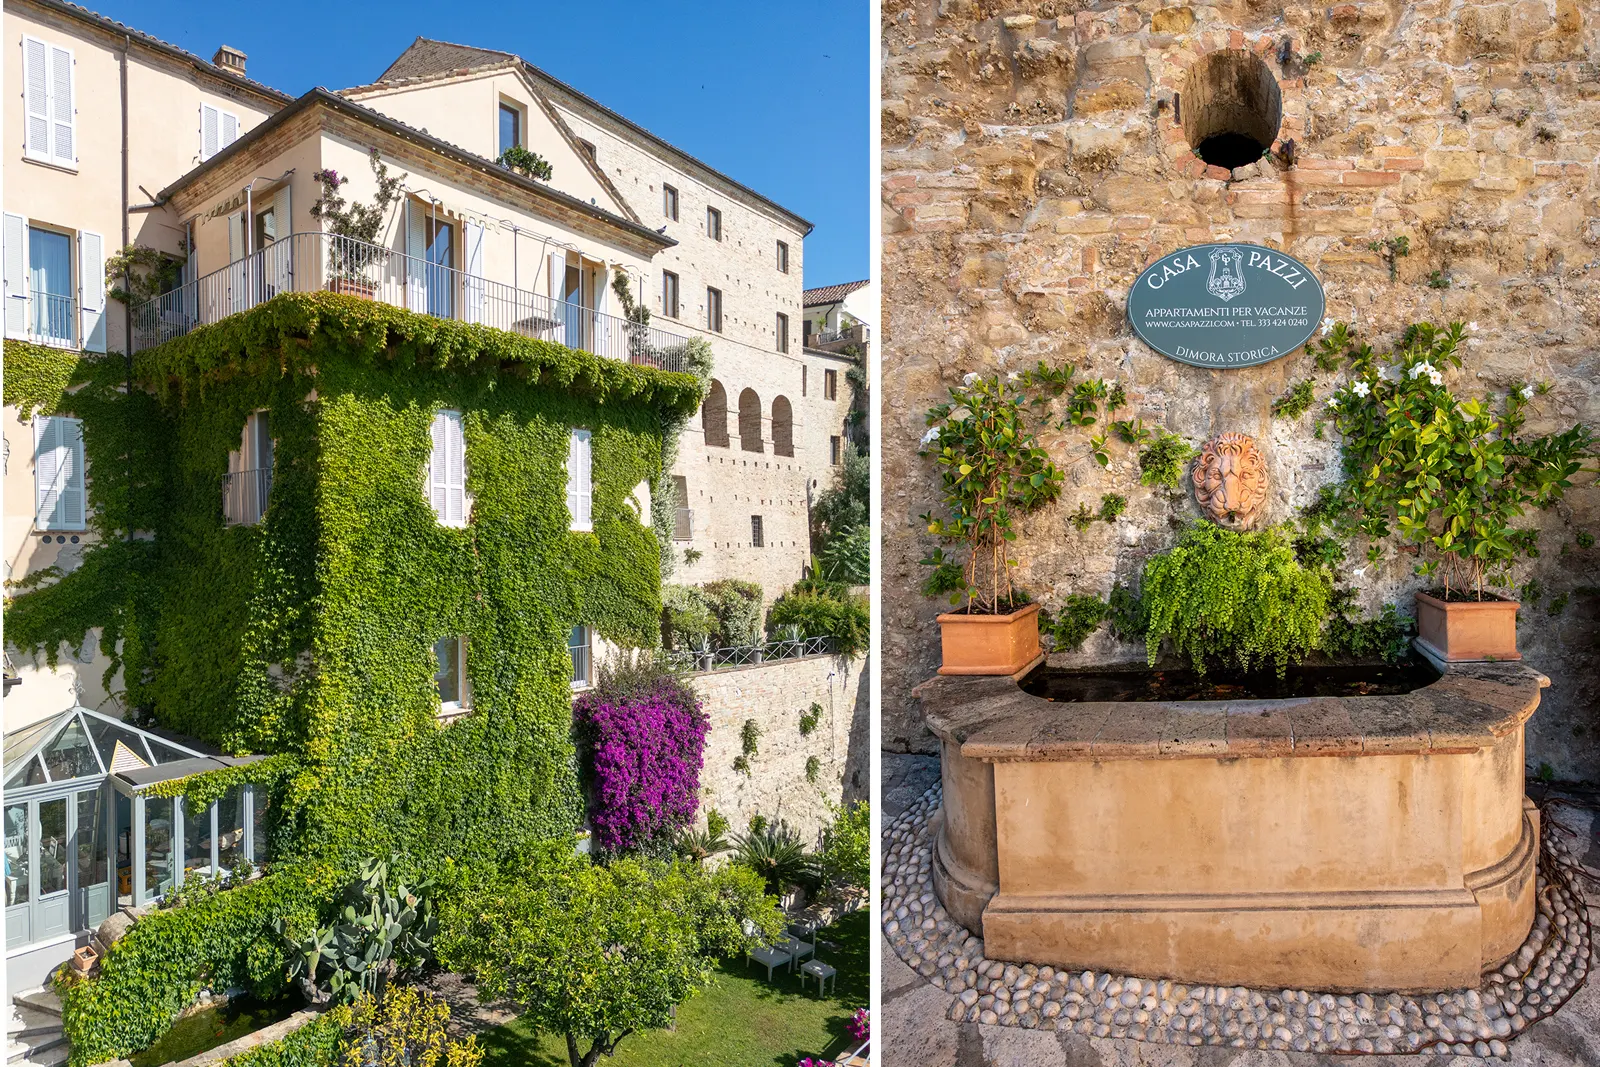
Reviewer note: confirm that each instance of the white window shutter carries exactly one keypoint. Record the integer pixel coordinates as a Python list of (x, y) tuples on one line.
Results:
[(417, 250), (15, 252), (580, 483), (447, 469), (279, 265), (210, 132), (58, 473), (436, 467), (230, 130), (36, 79), (235, 237), (92, 290), (472, 237), (63, 109)]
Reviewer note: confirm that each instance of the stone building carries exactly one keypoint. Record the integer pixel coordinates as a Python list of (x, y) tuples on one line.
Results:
[(1038, 156)]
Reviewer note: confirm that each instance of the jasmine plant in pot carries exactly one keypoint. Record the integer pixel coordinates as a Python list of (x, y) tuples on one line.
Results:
[(992, 471), (1449, 476)]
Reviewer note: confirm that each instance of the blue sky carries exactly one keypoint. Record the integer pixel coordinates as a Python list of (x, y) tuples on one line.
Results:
[(773, 94)]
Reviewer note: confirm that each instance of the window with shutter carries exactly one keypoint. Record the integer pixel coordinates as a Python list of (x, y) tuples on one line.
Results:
[(58, 474), (580, 646), (50, 104), (580, 484), (15, 254), (218, 130), (447, 470), (92, 291)]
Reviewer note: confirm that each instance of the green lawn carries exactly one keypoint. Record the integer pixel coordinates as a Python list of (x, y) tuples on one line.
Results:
[(741, 1021)]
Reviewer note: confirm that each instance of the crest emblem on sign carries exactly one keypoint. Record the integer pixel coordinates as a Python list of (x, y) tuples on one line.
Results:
[(1227, 274)]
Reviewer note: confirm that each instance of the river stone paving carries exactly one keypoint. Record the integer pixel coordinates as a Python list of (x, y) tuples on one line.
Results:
[(945, 1005)]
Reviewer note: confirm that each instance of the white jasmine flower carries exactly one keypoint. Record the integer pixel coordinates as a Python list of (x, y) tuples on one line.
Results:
[(1527, 392), (968, 378), (1435, 377), (1423, 368), (1472, 327), (1327, 326), (1013, 376), (1333, 402), (1361, 389), (931, 435)]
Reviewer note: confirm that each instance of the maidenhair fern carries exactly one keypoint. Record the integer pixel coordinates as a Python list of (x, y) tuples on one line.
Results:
[(1242, 599)]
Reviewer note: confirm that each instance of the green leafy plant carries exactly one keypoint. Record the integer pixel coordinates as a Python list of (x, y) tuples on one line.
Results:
[(992, 470), (701, 845), (353, 219), (596, 953), (1083, 518), (405, 1026), (1584, 538), (1297, 401), (1387, 635), (1438, 280), (1446, 474), (1161, 461), (717, 824), (685, 615), (137, 273), (527, 162), (1079, 617), (757, 823), (810, 718), (1392, 249), (1111, 506), (1083, 407), (845, 858), (776, 853), (749, 737), (1558, 604), (842, 513), (691, 556), (1131, 432), (847, 555), (813, 768), (741, 764), (737, 607), (823, 611), (1241, 599)]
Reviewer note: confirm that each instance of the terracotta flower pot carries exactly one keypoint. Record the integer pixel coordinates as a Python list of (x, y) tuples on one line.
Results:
[(990, 644), (353, 287), (1467, 629)]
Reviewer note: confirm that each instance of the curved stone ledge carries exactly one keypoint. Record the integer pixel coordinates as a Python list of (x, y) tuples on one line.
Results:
[(1470, 707)]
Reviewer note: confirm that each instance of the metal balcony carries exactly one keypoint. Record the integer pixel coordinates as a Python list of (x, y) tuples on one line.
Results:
[(311, 262)]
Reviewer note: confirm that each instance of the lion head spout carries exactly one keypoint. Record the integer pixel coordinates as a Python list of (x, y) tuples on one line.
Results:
[(1230, 481)]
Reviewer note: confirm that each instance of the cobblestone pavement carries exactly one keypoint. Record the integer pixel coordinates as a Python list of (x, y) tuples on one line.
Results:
[(915, 1029)]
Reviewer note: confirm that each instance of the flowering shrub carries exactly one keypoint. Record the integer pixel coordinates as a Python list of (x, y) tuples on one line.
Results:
[(647, 746), (1451, 475), (860, 1025)]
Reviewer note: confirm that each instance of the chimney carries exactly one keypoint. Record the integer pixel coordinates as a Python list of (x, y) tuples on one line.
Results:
[(230, 59)]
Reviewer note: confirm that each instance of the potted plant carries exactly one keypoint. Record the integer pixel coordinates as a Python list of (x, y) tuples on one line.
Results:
[(354, 227), (991, 470), (526, 162), (1450, 477)]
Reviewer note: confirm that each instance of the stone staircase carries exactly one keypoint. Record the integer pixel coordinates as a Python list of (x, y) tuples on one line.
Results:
[(33, 1029)]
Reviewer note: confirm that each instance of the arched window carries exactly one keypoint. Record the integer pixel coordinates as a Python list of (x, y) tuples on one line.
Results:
[(714, 416), (750, 422), (782, 427)]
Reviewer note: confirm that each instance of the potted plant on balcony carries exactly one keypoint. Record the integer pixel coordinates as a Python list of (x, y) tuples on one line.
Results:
[(1450, 477), (992, 470), (354, 227), (526, 162)]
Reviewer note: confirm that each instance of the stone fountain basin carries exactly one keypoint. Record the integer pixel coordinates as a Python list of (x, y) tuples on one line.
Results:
[(1336, 843)]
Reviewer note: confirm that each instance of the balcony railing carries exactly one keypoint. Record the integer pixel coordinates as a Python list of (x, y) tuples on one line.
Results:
[(309, 262), (244, 496), (50, 319), (683, 526)]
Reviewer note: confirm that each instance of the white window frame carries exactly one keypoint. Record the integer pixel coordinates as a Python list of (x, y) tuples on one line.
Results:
[(580, 479), (463, 701), (60, 117), (226, 128), (446, 473), (587, 645), (73, 488), (256, 452)]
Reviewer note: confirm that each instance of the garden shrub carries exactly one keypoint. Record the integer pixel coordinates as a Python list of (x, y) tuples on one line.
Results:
[(405, 1026), (774, 851), (685, 616), (844, 618), (645, 748), (1079, 617), (846, 854), (1242, 599), (316, 1044), (737, 606), (159, 966)]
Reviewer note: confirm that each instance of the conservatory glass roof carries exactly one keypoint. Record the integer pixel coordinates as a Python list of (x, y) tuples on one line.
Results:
[(80, 743)]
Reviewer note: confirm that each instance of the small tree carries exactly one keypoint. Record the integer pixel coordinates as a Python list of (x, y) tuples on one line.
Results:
[(355, 220), (1452, 475), (600, 952), (992, 469)]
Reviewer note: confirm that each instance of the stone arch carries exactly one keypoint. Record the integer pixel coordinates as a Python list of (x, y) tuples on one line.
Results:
[(1232, 108), (750, 422), (714, 416), (782, 427)]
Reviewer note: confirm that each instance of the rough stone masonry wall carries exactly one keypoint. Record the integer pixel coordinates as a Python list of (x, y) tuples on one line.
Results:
[(775, 695), (1032, 167)]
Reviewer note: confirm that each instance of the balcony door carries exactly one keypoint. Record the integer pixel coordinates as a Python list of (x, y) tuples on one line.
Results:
[(50, 286)]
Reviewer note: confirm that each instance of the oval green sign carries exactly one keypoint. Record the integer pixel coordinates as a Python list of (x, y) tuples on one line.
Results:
[(1226, 305)]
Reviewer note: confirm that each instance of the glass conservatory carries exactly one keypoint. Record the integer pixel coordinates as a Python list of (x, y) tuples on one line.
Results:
[(82, 837)]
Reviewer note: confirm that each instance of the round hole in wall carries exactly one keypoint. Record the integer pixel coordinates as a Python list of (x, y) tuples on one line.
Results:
[(1231, 108)]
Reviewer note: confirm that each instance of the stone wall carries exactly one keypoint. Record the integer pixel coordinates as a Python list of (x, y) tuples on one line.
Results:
[(775, 695), (1034, 164)]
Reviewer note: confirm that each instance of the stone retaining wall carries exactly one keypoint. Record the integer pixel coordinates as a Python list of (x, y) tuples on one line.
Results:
[(775, 695)]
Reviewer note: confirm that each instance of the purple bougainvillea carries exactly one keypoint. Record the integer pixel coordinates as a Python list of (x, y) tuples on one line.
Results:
[(646, 751)]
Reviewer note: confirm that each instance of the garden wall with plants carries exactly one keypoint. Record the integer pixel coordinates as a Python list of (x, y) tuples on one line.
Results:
[(787, 739), (1441, 169)]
